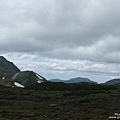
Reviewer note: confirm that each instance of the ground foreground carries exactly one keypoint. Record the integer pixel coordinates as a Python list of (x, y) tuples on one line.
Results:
[(58, 101)]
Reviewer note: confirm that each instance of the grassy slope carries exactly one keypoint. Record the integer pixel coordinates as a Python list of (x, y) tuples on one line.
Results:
[(6, 75), (49, 101), (27, 78)]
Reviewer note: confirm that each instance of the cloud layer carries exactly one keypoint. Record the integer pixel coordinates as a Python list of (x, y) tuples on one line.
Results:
[(64, 30)]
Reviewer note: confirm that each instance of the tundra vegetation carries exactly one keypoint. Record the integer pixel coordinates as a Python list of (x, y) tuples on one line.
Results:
[(59, 101)]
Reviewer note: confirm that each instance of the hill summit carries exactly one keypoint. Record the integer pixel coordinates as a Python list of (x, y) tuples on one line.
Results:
[(7, 66)]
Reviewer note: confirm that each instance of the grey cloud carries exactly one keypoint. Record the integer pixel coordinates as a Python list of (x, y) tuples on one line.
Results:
[(64, 29)]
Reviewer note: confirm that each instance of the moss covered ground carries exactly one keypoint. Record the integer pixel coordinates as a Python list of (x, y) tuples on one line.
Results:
[(59, 101)]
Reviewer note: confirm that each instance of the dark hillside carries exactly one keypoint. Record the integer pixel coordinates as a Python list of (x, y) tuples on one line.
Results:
[(7, 66), (28, 78)]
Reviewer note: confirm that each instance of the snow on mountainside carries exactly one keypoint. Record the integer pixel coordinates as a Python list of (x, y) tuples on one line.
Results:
[(41, 79), (18, 85)]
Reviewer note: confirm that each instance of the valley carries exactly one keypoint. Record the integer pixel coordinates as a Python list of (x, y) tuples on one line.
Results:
[(50, 101)]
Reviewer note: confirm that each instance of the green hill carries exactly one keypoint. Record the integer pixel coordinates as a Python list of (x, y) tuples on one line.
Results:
[(28, 78)]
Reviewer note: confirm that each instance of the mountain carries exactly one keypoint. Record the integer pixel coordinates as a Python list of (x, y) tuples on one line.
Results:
[(11, 76), (27, 78), (7, 69), (74, 80), (80, 79), (7, 66), (57, 80), (113, 82), (23, 79)]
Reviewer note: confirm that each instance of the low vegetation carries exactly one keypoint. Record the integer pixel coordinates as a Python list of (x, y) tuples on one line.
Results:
[(59, 101)]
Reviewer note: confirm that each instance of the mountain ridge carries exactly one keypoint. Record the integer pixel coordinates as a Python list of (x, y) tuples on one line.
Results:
[(74, 80), (113, 81)]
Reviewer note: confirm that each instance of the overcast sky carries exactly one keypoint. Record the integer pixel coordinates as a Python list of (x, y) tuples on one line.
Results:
[(62, 38)]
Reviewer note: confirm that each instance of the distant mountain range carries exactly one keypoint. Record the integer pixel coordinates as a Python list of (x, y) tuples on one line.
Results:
[(11, 76), (74, 80), (86, 80)]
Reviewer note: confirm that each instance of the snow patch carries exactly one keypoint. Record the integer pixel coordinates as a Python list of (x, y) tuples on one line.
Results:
[(39, 76), (19, 85), (39, 81)]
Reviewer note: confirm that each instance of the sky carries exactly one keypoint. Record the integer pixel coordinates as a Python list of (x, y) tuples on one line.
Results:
[(62, 38)]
